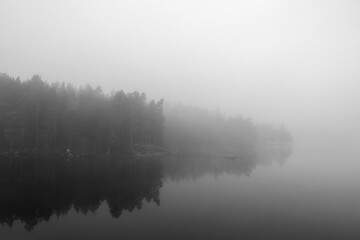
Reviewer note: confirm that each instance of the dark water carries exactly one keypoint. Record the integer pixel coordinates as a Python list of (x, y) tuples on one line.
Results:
[(279, 193)]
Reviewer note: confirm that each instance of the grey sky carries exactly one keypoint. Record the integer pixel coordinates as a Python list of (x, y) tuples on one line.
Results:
[(296, 62)]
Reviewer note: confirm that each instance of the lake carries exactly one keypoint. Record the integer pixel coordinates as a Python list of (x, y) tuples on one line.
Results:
[(305, 192)]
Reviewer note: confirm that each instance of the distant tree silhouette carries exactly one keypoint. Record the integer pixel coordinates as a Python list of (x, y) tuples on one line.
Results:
[(194, 130), (39, 117)]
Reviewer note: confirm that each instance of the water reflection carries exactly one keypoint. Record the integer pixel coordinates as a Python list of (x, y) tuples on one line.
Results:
[(273, 154), (33, 193), (34, 190), (194, 167)]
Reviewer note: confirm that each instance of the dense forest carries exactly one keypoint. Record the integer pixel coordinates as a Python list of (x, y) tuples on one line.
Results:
[(38, 117), (195, 130)]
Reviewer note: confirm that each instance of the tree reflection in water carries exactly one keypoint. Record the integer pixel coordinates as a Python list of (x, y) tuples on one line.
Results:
[(194, 167), (34, 190)]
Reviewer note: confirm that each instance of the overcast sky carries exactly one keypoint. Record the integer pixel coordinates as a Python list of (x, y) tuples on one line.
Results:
[(296, 62)]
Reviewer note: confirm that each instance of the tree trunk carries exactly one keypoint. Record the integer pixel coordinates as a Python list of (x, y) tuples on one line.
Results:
[(37, 128), (22, 138)]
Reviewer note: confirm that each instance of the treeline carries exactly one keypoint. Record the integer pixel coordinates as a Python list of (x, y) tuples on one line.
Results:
[(36, 116), (195, 130), (271, 134)]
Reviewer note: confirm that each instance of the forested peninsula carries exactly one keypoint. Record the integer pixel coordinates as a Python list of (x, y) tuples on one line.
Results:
[(59, 118)]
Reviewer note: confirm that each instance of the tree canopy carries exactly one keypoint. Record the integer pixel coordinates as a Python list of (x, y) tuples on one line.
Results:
[(42, 117), (36, 116)]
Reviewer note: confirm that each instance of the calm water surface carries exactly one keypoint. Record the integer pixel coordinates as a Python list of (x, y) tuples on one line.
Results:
[(308, 193)]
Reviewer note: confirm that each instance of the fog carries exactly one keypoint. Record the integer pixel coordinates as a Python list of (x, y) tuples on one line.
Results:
[(258, 135), (275, 61)]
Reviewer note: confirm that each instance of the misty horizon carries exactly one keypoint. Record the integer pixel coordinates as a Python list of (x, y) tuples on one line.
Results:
[(174, 111), (292, 63)]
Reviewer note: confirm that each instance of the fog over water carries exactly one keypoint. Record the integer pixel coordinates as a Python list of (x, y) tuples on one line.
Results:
[(277, 62)]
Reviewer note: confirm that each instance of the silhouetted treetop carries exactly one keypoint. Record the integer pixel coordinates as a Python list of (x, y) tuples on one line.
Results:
[(36, 116)]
